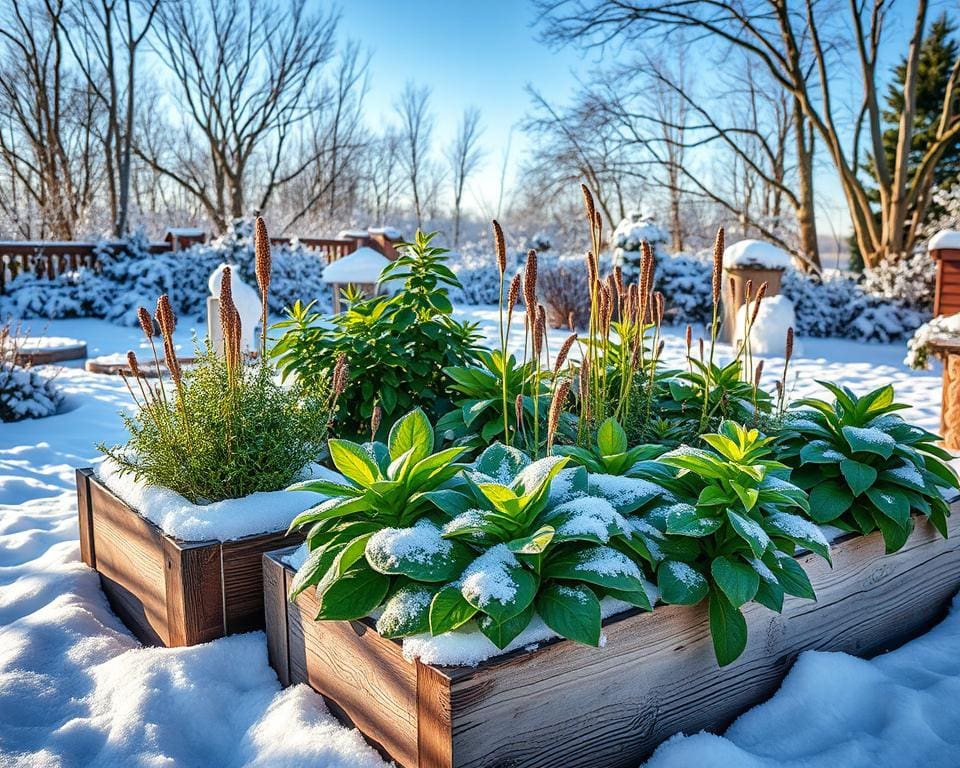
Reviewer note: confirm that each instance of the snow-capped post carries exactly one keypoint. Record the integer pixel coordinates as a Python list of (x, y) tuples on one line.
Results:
[(754, 261), (361, 268), (944, 248), (248, 305)]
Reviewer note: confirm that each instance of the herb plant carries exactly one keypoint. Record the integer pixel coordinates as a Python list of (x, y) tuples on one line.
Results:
[(386, 494), (865, 468), (396, 347), (732, 533), (610, 454), (223, 428)]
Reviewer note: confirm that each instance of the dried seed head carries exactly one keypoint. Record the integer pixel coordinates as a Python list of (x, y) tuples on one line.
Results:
[(597, 222), (166, 319), (618, 279), (756, 305), (757, 374), (375, 418), (340, 375), (539, 331), (688, 338), (717, 265), (518, 410), (133, 364), (660, 347), (500, 245), (227, 307), (659, 307), (747, 291), (589, 205), (779, 385), (701, 349), (591, 271), (556, 408), (261, 245), (513, 295), (530, 280), (146, 322), (564, 351), (571, 321), (789, 346)]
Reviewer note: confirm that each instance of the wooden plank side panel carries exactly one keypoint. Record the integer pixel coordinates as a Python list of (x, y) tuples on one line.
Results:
[(657, 674), (85, 517), (275, 615), (243, 578), (130, 560), (435, 745), (363, 677), (194, 592)]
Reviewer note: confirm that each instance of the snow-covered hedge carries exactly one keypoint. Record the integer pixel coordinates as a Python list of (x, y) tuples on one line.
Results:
[(24, 393), (134, 277), (627, 239), (910, 282), (918, 353)]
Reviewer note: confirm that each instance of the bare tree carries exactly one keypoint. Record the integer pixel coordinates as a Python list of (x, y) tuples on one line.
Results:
[(464, 156), (46, 144), (248, 76), (416, 129), (104, 38), (382, 175), (805, 48)]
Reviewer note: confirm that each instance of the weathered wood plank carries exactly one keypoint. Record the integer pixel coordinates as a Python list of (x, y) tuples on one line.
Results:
[(129, 558), (435, 748), (275, 615), (243, 578), (195, 611), (85, 517), (364, 677)]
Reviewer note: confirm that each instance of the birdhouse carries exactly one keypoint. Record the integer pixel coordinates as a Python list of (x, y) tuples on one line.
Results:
[(944, 248), (361, 268), (181, 238)]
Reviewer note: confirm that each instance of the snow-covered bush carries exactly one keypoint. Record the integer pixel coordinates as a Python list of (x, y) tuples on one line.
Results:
[(627, 239), (564, 291), (918, 353), (132, 276), (684, 279), (476, 268), (24, 393), (910, 282)]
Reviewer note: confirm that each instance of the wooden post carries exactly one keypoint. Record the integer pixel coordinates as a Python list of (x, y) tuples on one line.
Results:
[(733, 301), (946, 297)]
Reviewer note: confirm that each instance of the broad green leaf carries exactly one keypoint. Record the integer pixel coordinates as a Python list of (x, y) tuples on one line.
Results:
[(407, 612), (353, 595), (534, 544), (501, 463), (799, 530), (501, 634), (449, 610), (314, 568), (750, 531), (353, 462), (728, 629), (894, 534), (681, 584), (411, 432), (891, 502), (684, 520), (737, 580), (597, 564), (638, 598), (498, 586), (829, 500), (572, 611), (770, 595), (748, 496), (859, 476), (792, 577), (611, 439), (418, 552), (820, 452), (869, 440)]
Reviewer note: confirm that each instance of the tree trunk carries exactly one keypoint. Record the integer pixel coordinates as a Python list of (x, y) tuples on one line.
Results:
[(806, 215)]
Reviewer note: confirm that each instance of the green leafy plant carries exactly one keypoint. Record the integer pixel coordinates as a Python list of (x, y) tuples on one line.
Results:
[(732, 532), (396, 347), (865, 468), (222, 428), (610, 454), (385, 495)]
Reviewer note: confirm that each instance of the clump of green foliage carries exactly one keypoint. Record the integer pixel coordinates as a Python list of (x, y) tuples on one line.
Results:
[(396, 347), (223, 428), (865, 468)]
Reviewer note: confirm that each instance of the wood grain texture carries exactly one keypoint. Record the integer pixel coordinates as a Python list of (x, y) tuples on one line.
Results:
[(243, 578), (130, 560), (85, 517), (571, 705), (171, 592), (950, 403), (275, 615), (364, 677)]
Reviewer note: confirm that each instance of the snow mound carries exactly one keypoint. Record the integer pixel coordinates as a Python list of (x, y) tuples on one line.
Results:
[(246, 299), (222, 520), (636, 228), (768, 336), (755, 253), (945, 238), (364, 265)]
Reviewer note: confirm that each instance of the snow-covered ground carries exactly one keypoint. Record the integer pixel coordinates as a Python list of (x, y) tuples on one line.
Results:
[(77, 690)]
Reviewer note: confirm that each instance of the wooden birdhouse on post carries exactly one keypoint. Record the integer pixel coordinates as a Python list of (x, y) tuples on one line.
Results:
[(944, 248), (181, 238), (361, 268), (749, 260)]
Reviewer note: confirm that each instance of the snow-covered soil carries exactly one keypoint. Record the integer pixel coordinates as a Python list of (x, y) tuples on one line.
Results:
[(77, 690)]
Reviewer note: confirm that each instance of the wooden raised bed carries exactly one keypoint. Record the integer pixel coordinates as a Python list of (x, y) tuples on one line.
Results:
[(571, 705), (948, 350), (167, 591)]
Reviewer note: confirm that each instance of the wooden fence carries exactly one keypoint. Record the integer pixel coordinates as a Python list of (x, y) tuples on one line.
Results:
[(48, 259)]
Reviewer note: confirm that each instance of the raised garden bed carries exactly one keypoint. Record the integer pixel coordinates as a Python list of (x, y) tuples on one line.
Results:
[(572, 705), (168, 591)]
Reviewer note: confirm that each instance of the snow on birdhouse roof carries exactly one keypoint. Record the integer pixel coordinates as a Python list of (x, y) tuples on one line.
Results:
[(364, 265), (351, 234), (755, 253), (184, 232), (391, 233), (944, 239)]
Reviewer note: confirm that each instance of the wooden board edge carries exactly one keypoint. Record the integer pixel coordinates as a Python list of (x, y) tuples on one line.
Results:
[(88, 553), (434, 719), (275, 615)]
